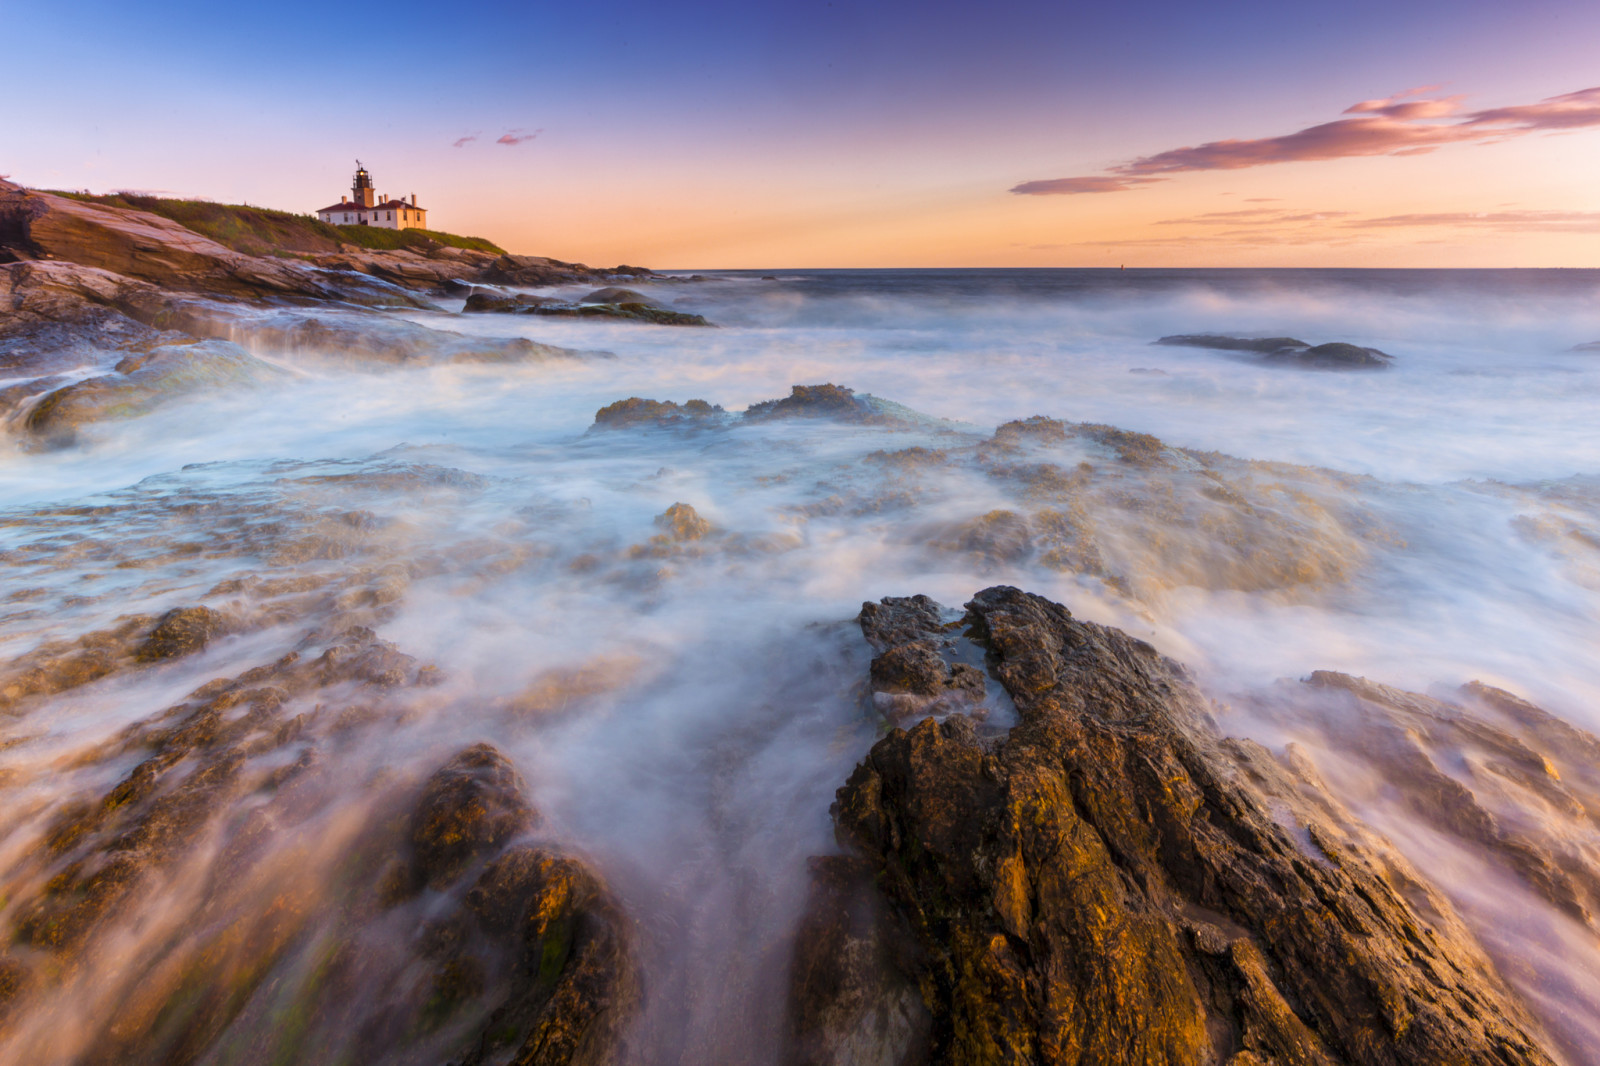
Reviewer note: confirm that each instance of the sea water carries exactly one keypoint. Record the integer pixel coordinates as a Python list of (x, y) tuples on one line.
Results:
[(683, 710)]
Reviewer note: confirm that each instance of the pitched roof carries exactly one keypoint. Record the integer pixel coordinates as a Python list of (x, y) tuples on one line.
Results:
[(387, 205)]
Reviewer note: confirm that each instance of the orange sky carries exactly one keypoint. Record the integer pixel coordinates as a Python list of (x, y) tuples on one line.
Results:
[(853, 134)]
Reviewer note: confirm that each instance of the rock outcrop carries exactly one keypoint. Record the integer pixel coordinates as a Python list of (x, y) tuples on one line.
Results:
[(1336, 355), (1113, 882), (602, 303), (146, 247), (637, 411)]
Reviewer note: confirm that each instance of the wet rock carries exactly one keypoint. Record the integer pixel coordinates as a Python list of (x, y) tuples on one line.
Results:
[(814, 401), (1104, 885), (633, 312), (574, 987), (470, 807), (1473, 768), (487, 302), (914, 674), (682, 523), (637, 411), (181, 631), (827, 401), (530, 271), (1336, 355), (851, 999), (1220, 342), (613, 294), (361, 338), (993, 539), (141, 383)]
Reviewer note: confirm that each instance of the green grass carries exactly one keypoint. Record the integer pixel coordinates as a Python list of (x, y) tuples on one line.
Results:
[(263, 231)]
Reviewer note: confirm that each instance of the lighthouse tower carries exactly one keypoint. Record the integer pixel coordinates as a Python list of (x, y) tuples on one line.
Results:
[(361, 189)]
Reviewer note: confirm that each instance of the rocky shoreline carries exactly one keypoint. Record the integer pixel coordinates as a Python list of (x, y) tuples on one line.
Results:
[(1050, 851), (1111, 879), (109, 312)]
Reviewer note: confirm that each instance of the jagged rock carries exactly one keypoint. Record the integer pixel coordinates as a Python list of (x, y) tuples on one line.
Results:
[(1104, 885), (815, 401), (637, 411), (471, 806), (1336, 355), (914, 674)]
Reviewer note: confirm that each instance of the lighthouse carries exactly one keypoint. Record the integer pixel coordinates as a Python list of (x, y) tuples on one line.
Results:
[(364, 207)]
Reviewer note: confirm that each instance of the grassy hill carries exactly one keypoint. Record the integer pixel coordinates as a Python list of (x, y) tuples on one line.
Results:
[(263, 231)]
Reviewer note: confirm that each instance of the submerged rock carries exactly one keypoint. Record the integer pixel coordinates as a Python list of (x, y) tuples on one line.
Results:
[(140, 383), (1336, 355), (1108, 883)]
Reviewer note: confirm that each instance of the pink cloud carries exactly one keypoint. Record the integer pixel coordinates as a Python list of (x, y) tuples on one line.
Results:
[(1057, 186), (517, 136), (462, 142), (1390, 126), (1519, 221)]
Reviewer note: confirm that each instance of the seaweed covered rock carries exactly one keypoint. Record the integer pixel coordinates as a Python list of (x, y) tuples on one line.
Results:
[(1107, 884)]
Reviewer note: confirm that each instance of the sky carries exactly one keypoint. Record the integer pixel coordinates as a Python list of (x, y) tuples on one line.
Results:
[(705, 134)]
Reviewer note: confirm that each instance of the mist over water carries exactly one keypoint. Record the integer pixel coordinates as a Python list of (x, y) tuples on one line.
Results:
[(683, 705)]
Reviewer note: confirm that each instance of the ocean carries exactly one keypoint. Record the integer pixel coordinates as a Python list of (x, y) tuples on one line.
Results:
[(684, 697)]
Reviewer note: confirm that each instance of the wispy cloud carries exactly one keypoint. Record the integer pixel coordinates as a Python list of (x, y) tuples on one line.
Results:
[(462, 142), (1067, 186), (1402, 124), (1518, 221), (517, 136)]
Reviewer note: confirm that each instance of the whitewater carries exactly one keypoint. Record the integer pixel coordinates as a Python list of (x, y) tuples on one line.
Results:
[(682, 686)]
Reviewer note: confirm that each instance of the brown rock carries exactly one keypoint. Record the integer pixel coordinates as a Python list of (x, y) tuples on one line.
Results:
[(470, 807), (181, 631), (1104, 884)]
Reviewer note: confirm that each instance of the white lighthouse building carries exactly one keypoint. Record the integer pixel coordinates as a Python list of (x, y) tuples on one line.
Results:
[(363, 207)]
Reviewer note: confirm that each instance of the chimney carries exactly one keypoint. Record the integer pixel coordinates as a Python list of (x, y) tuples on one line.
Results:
[(344, 199)]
